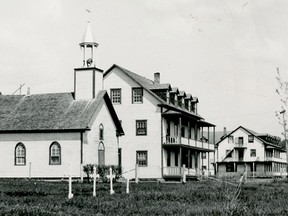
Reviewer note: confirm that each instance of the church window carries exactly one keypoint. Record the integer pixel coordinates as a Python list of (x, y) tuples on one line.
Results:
[(55, 154), (141, 127), (142, 158), (20, 154), (101, 132), (101, 154), (137, 95), (116, 96)]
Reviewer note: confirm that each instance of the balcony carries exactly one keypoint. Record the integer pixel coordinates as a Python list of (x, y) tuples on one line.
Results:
[(197, 144)]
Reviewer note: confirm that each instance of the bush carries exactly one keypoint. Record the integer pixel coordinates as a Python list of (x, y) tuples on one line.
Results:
[(103, 171)]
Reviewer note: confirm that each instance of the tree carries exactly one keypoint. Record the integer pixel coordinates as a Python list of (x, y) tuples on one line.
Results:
[(282, 91)]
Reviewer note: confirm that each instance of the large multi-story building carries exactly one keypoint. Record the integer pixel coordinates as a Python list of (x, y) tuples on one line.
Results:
[(163, 128), (245, 150)]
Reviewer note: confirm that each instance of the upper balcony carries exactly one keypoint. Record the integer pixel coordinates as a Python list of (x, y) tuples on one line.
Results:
[(186, 142)]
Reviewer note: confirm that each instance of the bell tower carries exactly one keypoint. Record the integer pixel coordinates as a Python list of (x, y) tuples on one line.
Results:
[(88, 79)]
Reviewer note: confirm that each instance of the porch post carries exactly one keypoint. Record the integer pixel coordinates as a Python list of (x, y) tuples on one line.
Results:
[(179, 129), (189, 132), (189, 159), (253, 169), (180, 157), (208, 163)]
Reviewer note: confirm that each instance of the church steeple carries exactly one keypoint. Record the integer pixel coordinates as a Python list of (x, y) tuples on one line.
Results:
[(88, 47), (88, 79)]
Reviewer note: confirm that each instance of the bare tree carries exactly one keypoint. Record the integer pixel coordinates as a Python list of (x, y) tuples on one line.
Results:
[(282, 91)]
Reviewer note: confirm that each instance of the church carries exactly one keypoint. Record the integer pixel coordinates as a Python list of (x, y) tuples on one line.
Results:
[(51, 135)]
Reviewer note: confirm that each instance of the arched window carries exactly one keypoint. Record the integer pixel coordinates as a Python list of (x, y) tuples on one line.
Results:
[(20, 154), (101, 154), (101, 132), (55, 154)]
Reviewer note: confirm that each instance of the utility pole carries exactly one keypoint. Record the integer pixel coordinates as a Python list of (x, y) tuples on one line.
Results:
[(285, 139)]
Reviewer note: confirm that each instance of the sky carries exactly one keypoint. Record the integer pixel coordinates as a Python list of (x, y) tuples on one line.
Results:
[(225, 52)]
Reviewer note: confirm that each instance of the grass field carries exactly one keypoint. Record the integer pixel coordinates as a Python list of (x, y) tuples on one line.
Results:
[(23, 197)]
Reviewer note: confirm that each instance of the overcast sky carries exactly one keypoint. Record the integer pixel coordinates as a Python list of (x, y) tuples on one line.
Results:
[(222, 51)]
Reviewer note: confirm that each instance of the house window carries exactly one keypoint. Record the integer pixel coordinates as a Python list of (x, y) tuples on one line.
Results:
[(229, 167), (55, 154), (137, 95), (116, 96), (203, 155), (240, 140), (230, 139), (20, 154), (228, 153), (141, 158), (101, 132), (101, 154), (141, 127), (252, 152), (250, 138)]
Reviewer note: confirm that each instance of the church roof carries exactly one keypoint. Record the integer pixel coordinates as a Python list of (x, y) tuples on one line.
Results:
[(54, 111)]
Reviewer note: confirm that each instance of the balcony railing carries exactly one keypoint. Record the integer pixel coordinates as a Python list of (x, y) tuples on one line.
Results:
[(177, 171), (188, 142)]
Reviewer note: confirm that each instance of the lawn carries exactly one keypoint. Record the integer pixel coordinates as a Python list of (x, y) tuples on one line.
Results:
[(24, 197)]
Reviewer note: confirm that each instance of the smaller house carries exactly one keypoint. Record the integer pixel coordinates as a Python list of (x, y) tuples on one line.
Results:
[(245, 150)]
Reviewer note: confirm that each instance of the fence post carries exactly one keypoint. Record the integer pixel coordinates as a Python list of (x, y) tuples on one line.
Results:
[(81, 172), (184, 174), (70, 194), (30, 165), (136, 173)]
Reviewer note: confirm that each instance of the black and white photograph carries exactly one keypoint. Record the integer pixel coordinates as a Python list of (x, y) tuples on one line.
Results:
[(152, 107)]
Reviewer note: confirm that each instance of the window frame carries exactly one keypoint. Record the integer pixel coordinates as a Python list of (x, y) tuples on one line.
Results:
[(136, 96), (50, 154), (145, 164), (101, 148), (118, 98), (16, 163), (146, 128), (252, 151), (250, 139), (101, 132), (204, 155), (230, 167)]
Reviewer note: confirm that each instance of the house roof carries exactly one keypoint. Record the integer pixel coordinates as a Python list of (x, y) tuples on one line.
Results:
[(49, 112), (148, 84), (259, 136)]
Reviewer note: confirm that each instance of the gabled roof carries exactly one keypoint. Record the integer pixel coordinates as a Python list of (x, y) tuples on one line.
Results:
[(147, 85), (255, 134), (50, 112), (182, 94)]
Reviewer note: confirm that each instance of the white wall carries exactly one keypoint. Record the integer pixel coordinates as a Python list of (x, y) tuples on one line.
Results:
[(90, 149), (37, 152), (129, 113), (224, 145)]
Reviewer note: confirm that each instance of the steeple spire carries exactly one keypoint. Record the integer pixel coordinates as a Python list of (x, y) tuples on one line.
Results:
[(88, 46)]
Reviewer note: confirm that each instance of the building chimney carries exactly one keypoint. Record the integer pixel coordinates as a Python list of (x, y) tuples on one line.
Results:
[(224, 132), (157, 78), (28, 91)]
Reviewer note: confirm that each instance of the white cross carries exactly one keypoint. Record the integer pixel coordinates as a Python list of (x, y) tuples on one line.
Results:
[(95, 175), (111, 176)]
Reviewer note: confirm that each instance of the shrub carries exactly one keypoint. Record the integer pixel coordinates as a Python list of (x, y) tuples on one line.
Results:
[(103, 171)]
